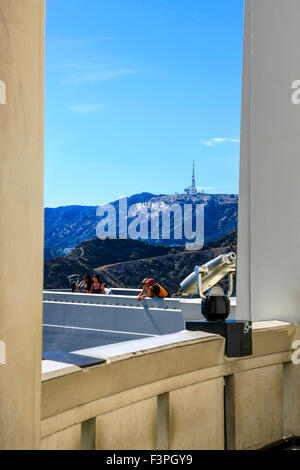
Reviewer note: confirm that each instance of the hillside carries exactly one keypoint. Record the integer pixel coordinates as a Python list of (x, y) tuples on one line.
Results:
[(110, 259), (91, 254), (168, 269), (67, 227)]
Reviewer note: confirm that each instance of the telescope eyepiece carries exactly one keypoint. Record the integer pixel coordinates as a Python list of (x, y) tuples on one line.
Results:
[(232, 257)]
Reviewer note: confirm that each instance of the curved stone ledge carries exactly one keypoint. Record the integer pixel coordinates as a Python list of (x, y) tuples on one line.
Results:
[(186, 374)]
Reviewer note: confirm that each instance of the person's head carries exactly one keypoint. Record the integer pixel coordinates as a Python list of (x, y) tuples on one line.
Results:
[(144, 282), (96, 279), (150, 282)]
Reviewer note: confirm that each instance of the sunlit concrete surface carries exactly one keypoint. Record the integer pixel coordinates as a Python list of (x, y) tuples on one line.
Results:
[(150, 345)]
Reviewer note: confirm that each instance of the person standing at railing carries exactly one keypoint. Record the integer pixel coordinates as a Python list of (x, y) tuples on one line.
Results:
[(85, 285), (158, 291), (146, 283), (97, 286), (152, 289)]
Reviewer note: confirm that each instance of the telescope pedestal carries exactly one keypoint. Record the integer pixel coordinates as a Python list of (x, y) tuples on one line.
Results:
[(238, 334)]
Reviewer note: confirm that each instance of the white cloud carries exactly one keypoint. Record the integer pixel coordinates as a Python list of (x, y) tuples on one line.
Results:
[(205, 188), (85, 108), (90, 70), (220, 140), (94, 76)]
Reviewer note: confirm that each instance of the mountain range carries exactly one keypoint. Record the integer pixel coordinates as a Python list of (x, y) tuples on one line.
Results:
[(67, 227)]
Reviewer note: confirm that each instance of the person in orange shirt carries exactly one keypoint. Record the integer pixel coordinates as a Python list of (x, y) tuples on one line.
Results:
[(158, 291)]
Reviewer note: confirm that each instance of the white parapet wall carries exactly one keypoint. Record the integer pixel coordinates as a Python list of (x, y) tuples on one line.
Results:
[(190, 309), (125, 299), (153, 321)]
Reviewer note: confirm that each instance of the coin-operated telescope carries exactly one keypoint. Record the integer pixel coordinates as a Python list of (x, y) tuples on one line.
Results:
[(215, 305)]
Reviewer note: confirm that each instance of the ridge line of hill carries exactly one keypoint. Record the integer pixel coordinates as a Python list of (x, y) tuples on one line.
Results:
[(132, 261)]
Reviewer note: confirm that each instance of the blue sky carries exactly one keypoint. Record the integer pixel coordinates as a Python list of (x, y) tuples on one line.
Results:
[(135, 91)]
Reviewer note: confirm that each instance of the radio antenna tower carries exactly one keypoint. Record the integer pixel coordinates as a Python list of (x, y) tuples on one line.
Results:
[(192, 189), (193, 178)]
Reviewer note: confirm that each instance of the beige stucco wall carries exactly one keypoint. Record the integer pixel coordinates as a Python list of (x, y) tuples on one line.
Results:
[(197, 416), (68, 439), (21, 219), (130, 427), (255, 408)]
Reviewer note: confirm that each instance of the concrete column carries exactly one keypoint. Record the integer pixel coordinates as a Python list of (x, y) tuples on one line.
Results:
[(88, 434), (269, 206), (163, 410), (21, 219)]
